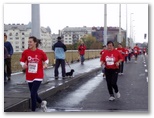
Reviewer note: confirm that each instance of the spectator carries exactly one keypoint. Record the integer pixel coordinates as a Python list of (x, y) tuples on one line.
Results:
[(9, 48), (5, 57), (59, 50)]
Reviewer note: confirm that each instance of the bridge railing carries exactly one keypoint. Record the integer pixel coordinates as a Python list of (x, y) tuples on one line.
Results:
[(71, 56)]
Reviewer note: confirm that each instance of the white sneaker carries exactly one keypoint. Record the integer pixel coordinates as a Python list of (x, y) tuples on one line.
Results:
[(118, 95), (119, 73), (122, 73), (111, 98), (44, 106)]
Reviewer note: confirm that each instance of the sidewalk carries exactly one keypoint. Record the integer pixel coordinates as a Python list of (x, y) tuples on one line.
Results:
[(16, 92)]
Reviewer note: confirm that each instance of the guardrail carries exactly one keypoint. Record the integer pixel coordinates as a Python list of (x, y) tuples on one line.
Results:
[(71, 56)]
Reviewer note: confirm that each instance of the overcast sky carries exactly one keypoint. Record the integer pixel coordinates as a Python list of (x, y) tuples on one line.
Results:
[(58, 16)]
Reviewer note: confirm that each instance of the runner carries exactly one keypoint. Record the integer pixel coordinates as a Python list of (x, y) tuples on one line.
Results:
[(122, 51), (101, 53), (136, 52), (32, 60), (111, 59)]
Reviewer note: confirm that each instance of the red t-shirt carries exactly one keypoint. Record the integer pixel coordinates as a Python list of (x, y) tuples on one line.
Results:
[(136, 50), (110, 58), (34, 61), (122, 51), (82, 49), (126, 52)]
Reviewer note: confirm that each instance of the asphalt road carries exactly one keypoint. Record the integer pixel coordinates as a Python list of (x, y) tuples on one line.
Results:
[(91, 94)]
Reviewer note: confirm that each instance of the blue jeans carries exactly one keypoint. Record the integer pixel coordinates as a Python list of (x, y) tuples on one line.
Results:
[(82, 58), (58, 63)]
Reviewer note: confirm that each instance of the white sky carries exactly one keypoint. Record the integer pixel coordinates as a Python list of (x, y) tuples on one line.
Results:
[(58, 16)]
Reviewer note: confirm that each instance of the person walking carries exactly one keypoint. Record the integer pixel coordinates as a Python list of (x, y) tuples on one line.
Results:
[(5, 57), (129, 53), (34, 61), (111, 59), (122, 51), (101, 53), (81, 50), (136, 52), (9, 48), (59, 50)]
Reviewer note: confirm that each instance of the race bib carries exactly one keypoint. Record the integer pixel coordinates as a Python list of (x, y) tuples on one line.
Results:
[(32, 67), (109, 61)]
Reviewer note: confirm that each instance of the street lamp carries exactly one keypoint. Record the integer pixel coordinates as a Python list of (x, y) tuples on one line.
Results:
[(131, 29)]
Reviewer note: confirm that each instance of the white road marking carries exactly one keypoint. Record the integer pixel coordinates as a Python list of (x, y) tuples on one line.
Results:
[(146, 70), (147, 79)]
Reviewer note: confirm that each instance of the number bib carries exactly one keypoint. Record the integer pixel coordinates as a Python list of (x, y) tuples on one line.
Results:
[(109, 61), (32, 67)]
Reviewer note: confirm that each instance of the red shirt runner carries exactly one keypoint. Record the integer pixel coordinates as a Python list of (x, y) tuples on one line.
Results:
[(123, 52), (34, 61), (110, 58)]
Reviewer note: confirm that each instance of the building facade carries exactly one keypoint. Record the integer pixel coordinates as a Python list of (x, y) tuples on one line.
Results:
[(18, 34), (72, 34)]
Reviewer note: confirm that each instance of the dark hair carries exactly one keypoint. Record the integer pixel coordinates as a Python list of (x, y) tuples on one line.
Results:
[(110, 42), (5, 35), (59, 38), (37, 41)]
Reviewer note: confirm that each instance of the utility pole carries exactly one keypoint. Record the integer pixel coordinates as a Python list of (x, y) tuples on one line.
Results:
[(36, 20), (126, 28), (105, 24), (119, 24)]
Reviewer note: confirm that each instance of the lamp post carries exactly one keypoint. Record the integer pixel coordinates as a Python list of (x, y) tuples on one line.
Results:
[(126, 28), (36, 20), (105, 24), (131, 41), (119, 24)]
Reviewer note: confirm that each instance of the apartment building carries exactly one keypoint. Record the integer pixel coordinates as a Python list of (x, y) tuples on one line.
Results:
[(73, 34), (18, 35)]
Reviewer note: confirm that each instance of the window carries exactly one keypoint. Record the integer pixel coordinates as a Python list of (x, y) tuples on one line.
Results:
[(16, 34), (17, 46), (17, 38), (11, 38), (10, 34), (23, 33)]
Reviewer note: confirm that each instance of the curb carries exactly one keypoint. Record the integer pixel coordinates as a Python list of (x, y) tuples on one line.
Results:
[(24, 105)]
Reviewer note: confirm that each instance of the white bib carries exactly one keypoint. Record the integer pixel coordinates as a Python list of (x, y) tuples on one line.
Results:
[(109, 61), (32, 67)]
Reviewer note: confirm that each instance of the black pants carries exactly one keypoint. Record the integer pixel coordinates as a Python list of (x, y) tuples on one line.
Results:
[(58, 63), (111, 79), (129, 56), (33, 87), (8, 67), (121, 67), (4, 71)]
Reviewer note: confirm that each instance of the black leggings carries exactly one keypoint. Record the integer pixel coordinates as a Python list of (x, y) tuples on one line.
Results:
[(33, 87), (111, 79)]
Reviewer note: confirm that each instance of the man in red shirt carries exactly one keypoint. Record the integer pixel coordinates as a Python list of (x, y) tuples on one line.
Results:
[(111, 59), (136, 52), (81, 50), (122, 52), (32, 61)]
